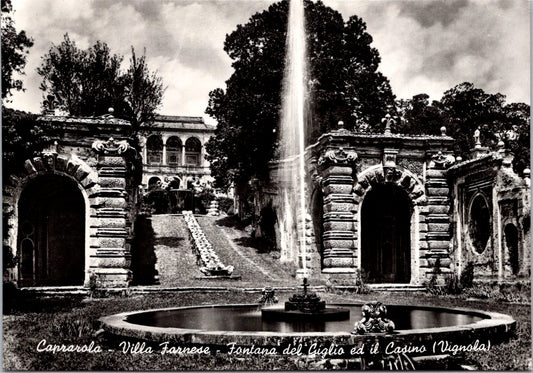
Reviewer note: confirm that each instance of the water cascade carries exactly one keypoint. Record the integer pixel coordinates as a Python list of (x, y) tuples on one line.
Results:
[(292, 144)]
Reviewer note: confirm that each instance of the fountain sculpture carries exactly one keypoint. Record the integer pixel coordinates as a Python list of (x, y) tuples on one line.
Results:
[(305, 306)]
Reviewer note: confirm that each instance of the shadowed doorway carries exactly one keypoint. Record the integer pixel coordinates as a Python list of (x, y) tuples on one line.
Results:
[(385, 235), (51, 237)]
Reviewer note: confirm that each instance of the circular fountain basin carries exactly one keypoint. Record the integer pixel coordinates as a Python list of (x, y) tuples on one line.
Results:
[(243, 325)]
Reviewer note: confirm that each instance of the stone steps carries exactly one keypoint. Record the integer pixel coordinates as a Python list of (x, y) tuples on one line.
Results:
[(396, 287)]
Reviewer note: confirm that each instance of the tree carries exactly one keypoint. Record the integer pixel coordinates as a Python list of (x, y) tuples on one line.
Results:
[(143, 90), (22, 135), (465, 108), (418, 116), (88, 82), (15, 47), (343, 85)]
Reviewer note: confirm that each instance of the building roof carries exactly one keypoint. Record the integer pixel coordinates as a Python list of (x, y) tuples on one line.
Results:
[(175, 122)]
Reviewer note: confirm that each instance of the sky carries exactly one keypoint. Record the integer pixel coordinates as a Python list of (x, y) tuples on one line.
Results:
[(426, 46)]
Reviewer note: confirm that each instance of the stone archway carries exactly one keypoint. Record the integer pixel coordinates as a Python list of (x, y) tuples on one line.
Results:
[(391, 175), (390, 197), (51, 237), (30, 197), (385, 235)]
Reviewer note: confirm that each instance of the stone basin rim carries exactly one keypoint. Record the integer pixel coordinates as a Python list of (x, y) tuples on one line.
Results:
[(117, 324)]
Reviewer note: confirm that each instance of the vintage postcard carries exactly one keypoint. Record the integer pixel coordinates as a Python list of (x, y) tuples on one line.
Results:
[(266, 185)]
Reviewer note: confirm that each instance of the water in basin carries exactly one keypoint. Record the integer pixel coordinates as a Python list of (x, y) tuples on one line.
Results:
[(248, 318)]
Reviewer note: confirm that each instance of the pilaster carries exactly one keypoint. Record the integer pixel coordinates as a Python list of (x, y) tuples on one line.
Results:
[(339, 237)]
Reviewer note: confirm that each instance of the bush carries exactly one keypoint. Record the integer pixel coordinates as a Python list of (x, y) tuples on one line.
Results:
[(452, 285), (467, 276), (360, 282), (225, 204)]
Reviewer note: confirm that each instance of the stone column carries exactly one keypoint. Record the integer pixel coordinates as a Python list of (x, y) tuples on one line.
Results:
[(110, 251), (336, 169), (437, 222), (142, 143), (164, 160), (183, 154)]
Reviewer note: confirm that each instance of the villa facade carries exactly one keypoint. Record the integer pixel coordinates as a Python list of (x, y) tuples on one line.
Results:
[(173, 151)]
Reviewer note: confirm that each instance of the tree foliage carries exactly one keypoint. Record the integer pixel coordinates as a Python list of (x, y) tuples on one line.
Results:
[(15, 47), (22, 135), (465, 108), (344, 84), (88, 82)]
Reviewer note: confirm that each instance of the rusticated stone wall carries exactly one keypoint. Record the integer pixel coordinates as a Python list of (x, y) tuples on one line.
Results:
[(487, 193), (94, 153), (348, 165)]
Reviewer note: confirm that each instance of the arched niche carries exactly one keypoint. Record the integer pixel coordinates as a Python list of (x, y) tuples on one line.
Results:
[(512, 242), (479, 223), (385, 234), (153, 182), (52, 232), (406, 187)]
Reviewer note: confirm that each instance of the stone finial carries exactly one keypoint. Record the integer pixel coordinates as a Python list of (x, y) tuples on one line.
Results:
[(389, 121), (477, 140), (501, 146), (527, 174), (51, 150), (110, 111), (340, 124), (459, 158), (49, 105), (443, 131)]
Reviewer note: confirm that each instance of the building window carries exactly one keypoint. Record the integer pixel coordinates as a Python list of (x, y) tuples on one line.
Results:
[(174, 151), (192, 151), (154, 150), (479, 225)]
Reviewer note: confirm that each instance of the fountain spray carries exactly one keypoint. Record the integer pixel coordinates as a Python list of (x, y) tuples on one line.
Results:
[(292, 134)]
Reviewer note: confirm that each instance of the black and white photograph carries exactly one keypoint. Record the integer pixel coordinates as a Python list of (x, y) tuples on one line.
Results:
[(253, 185)]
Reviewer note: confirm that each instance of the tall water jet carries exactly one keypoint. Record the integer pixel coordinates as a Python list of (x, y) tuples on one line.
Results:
[(292, 141)]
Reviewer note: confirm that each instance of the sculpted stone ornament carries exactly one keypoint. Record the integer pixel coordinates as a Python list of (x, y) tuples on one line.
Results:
[(338, 156), (443, 161), (389, 122), (373, 320), (268, 297), (49, 155), (391, 174), (477, 138), (111, 146)]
